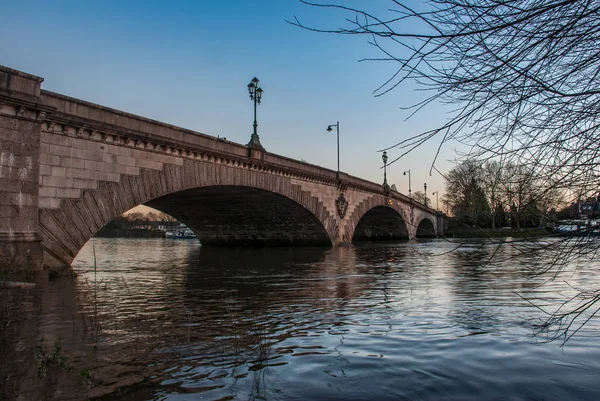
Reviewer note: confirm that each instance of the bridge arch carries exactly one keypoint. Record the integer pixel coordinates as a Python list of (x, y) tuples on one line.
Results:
[(373, 212), (64, 230), (229, 215), (425, 228)]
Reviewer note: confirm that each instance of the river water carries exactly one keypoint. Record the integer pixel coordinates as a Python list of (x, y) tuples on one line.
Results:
[(157, 319)]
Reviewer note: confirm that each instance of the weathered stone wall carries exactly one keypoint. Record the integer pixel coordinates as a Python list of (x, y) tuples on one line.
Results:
[(71, 163), (19, 169)]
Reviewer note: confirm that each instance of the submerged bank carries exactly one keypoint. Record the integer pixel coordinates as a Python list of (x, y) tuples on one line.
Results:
[(499, 233)]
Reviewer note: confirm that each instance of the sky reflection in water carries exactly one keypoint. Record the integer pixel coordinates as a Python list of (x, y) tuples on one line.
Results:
[(391, 321)]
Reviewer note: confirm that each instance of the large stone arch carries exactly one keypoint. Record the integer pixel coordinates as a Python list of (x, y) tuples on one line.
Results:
[(66, 228), (235, 215), (368, 204)]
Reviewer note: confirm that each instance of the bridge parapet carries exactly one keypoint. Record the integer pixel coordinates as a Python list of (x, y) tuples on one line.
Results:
[(75, 117)]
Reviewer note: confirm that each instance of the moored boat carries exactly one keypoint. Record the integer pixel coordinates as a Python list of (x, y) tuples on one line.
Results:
[(180, 233), (577, 228)]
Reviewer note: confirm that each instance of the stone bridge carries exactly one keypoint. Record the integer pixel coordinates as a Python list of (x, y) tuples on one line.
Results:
[(68, 167)]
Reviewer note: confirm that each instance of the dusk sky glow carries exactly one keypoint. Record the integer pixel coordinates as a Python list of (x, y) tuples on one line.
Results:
[(187, 63)]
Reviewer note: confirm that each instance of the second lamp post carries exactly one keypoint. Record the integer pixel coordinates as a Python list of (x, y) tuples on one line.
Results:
[(255, 95), (337, 127), (384, 157), (409, 187)]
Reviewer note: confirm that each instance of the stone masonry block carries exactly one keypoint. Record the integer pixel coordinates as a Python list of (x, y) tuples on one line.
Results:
[(71, 162), (121, 151), (92, 145), (46, 158), (9, 159), (45, 169), (68, 193), (133, 170), (53, 181), (157, 157), (91, 165), (109, 158), (105, 176), (59, 171), (59, 150), (30, 187), (143, 163), (87, 155), (6, 198), (48, 203), (126, 160), (22, 199), (8, 212), (6, 224), (6, 147), (84, 184), (47, 191), (78, 173), (109, 167), (117, 168), (54, 139)]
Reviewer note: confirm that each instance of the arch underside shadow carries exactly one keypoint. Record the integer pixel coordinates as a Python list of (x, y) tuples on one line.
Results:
[(190, 193), (243, 216), (426, 229), (380, 223)]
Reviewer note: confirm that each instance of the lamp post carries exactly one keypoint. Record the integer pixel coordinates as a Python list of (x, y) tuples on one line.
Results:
[(437, 200), (384, 157), (409, 187), (255, 94), (425, 187), (337, 127)]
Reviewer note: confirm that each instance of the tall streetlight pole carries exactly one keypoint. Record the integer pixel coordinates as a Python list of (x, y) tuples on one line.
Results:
[(425, 187), (337, 127), (437, 200), (255, 95), (384, 157), (409, 187)]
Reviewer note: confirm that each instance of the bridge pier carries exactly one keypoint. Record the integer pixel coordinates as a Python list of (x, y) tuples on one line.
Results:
[(20, 111)]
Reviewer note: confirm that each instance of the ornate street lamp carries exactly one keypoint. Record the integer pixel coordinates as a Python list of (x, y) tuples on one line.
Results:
[(384, 157), (425, 187), (437, 200), (409, 187), (337, 127), (255, 95)]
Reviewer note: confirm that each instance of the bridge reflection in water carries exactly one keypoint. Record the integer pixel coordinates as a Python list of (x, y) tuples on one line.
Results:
[(404, 320)]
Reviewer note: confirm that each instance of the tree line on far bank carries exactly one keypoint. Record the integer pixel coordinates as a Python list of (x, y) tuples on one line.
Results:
[(138, 225), (495, 194)]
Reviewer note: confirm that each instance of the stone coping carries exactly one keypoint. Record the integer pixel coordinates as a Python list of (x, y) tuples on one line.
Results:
[(21, 74)]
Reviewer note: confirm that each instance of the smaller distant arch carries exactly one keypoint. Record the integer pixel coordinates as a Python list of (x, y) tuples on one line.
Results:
[(380, 223), (426, 229)]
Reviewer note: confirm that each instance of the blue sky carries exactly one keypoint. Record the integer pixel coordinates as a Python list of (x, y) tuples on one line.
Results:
[(187, 63)]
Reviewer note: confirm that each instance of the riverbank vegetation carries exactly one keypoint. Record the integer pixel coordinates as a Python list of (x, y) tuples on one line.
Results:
[(496, 195), (138, 225)]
